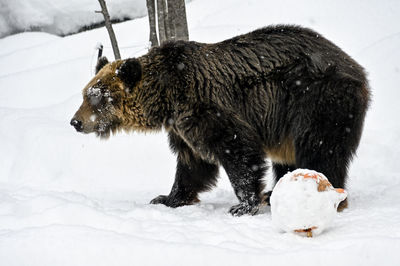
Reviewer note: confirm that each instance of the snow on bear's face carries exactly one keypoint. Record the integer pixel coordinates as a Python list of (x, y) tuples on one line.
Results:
[(102, 110), (111, 100)]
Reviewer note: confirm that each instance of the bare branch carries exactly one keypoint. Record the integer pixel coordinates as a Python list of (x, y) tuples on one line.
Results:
[(100, 50), (110, 30)]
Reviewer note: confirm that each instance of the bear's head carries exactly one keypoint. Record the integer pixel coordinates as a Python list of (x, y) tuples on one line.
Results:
[(109, 102)]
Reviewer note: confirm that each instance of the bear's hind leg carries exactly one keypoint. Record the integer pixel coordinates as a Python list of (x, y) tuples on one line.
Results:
[(193, 175), (328, 130), (333, 165)]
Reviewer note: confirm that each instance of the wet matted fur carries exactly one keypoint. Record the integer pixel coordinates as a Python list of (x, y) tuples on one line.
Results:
[(282, 92)]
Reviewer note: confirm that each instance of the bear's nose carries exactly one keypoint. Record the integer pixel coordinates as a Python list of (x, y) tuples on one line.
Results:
[(76, 124)]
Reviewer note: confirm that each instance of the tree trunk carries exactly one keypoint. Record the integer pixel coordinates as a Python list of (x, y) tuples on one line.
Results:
[(110, 30), (172, 23), (181, 27), (162, 20), (171, 10), (177, 20), (151, 10)]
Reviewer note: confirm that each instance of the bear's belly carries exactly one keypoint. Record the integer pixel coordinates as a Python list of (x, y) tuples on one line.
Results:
[(283, 153)]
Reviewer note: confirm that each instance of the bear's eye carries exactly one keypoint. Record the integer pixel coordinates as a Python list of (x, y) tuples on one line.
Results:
[(94, 94)]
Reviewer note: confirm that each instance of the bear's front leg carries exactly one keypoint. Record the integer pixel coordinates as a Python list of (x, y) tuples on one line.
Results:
[(223, 137), (193, 175), (245, 167)]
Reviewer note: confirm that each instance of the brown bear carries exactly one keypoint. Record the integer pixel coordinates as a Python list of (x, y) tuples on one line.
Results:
[(282, 92)]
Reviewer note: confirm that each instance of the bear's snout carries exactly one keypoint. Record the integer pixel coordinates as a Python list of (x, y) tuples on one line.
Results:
[(76, 124)]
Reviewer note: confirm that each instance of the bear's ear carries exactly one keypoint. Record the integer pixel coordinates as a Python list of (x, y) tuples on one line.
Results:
[(101, 62), (130, 72)]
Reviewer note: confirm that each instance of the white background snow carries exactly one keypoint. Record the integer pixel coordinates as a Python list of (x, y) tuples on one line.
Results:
[(71, 199)]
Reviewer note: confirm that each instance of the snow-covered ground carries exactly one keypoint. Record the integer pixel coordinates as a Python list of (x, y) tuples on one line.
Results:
[(71, 199)]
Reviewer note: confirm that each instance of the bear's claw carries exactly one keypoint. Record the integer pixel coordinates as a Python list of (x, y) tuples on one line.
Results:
[(243, 208), (161, 199), (172, 202)]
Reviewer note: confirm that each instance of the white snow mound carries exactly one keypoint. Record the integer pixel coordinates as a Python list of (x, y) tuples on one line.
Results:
[(304, 202)]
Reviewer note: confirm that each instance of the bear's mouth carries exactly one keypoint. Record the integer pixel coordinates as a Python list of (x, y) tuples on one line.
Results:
[(104, 128), (103, 135)]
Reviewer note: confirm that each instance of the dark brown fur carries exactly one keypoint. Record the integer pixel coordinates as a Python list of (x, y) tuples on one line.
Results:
[(282, 92)]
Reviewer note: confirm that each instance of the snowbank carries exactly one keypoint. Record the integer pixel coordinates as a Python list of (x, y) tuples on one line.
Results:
[(61, 17)]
